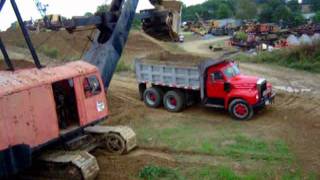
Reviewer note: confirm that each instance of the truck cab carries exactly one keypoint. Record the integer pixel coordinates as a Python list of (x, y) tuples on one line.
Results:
[(227, 88)]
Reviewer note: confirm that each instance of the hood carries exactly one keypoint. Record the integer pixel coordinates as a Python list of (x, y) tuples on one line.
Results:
[(243, 81)]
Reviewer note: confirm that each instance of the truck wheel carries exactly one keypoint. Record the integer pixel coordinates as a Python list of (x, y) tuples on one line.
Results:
[(240, 110), (174, 101), (153, 97)]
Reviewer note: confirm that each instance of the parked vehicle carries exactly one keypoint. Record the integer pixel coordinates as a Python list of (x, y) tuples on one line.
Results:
[(215, 83)]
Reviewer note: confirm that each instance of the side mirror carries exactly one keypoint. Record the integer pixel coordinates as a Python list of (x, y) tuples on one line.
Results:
[(227, 87)]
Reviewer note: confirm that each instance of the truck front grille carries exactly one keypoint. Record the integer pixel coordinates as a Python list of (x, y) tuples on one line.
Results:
[(262, 86)]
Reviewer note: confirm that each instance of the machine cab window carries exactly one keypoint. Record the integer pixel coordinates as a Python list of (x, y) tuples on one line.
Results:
[(91, 86)]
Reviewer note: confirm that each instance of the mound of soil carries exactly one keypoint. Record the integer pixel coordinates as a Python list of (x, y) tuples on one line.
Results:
[(67, 45), (17, 64), (179, 59), (141, 42), (72, 46)]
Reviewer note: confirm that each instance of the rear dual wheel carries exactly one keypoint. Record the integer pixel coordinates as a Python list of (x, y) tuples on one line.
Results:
[(152, 97), (174, 101)]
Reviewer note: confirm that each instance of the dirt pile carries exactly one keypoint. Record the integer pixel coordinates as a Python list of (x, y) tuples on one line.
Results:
[(178, 59), (18, 64), (65, 45), (140, 42)]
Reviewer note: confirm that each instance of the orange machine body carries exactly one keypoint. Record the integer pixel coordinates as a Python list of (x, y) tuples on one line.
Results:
[(28, 106)]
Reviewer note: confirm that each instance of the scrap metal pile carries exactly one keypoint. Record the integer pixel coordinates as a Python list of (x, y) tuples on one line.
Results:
[(221, 27), (255, 35)]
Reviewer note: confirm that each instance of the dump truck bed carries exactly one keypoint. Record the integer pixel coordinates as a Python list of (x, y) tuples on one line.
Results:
[(172, 70)]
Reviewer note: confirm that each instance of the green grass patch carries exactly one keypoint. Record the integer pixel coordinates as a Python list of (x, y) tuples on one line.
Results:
[(229, 142), (122, 66), (305, 58), (157, 172), (50, 52), (227, 173)]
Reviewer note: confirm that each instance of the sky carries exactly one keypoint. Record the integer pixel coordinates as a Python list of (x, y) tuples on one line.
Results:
[(67, 8)]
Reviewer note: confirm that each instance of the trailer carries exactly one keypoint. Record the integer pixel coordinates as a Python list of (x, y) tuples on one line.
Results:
[(177, 81)]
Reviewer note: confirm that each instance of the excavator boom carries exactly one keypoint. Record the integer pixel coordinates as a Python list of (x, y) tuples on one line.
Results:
[(106, 55)]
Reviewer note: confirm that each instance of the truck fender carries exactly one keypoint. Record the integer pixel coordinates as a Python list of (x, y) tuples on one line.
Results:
[(250, 98)]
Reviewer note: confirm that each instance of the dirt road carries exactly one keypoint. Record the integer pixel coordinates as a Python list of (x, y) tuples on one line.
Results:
[(201, 46)]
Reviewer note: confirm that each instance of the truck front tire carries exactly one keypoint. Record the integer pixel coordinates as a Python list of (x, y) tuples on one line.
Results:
[(152, 97), (174, 101), (240, 110)]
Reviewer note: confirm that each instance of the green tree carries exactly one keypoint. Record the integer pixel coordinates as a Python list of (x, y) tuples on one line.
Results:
[(210, 9), (14, 25), (102, 8), (276, 3), (266, 14), (315, 5), (296, 19), (282, 13), (316, 18), (246, 9), (88, 14), (224, 11), (294, 5)]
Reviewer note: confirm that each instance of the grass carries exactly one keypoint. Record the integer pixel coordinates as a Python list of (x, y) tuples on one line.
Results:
[(305, 58), (122, 66), (50, 52), (229, 142), (153, 172), (157, 172)]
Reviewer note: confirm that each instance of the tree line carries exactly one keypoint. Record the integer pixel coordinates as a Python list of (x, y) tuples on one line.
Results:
[(271, 11)]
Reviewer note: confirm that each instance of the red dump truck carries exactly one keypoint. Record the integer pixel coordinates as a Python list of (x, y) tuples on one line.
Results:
[(178, 81)]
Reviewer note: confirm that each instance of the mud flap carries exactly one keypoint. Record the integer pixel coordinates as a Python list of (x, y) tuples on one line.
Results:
[(142, 88), (15, 159)]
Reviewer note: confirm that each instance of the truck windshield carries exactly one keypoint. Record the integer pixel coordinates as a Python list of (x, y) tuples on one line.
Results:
[(231, 71)]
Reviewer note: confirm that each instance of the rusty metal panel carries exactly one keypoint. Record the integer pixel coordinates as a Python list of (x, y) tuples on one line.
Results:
[(19, 117), (30, 116), (43, 109), (4, 141)]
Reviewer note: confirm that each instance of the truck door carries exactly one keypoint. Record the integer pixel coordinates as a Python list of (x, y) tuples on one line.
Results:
[(215, 88)]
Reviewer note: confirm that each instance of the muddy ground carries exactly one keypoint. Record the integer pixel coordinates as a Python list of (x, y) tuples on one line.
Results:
[(281, 142)]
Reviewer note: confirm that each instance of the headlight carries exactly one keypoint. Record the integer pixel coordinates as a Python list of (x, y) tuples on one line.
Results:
[(257, 96)]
